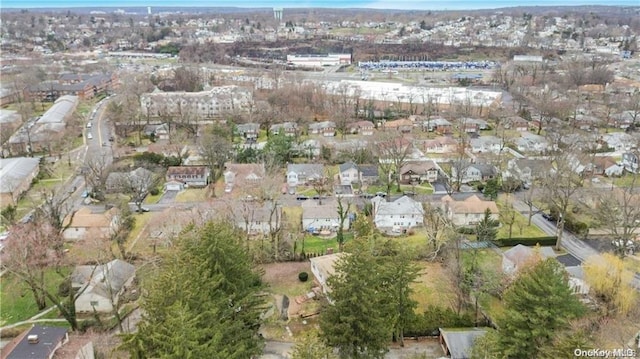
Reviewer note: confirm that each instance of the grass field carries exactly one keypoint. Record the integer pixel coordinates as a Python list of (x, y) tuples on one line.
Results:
[(432, 287), (17, 299), (520, 229)]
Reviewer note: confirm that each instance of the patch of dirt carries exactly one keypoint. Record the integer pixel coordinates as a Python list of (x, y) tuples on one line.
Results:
[(281, 273)]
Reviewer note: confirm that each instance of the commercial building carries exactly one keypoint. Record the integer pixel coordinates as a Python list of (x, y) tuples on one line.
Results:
[(16, 175), (319, 60)]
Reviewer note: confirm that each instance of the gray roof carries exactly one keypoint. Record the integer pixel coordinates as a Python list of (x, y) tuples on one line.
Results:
[(348, 165), (369, 170), (276, 127), (460, 341), (246, 127), (306, 169), (321, 125), (401, 206), (48, 340), (14, 170), (328, 209), (103, 279), (63, 107), (486, 170)]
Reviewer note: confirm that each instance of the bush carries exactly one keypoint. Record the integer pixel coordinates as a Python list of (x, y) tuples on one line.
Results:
[(154, 192), (466, 230), (526, 241), (303, 276), (429, 322)]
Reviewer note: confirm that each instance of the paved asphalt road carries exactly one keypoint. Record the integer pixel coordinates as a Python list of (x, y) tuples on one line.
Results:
[(572, 244)]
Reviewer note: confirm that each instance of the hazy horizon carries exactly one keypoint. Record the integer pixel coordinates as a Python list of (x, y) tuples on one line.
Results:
[(365, 4)]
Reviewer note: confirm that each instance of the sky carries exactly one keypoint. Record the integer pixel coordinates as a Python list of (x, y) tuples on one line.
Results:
[(372, 4)]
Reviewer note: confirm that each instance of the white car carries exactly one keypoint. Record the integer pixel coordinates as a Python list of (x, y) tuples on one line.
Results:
[(89, 136), (89, 125)]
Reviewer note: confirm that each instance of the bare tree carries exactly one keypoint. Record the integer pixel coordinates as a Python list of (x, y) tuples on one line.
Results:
[(439, 231), (394, 151), (343, 212), (619, 212), (560, 186), (137, 184), (215, 148)]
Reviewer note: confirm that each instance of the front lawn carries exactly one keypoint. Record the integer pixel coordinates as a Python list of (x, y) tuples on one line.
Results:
[(520, 229), (626, 180), (192, 195), (17, 299)]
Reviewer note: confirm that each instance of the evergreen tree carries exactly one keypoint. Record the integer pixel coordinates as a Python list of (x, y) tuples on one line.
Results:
[(538, 306), (486, 230), (204, 304), (357, 322)]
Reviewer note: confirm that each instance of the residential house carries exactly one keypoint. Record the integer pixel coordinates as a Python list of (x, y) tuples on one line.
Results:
[(631, 162), (190, 176), (40, 342), (399, 215), (606, 166), (86, 224), (8, 95), (442, 144), (474, 124), (349, 173), (287, 128), (364, 128), (244, 176), (369, 174), (248, 131), (101, 285), (529, 142), (469, 211), (585, 122), (308, 148), (620, 141), (16, 176), (474, 172), (458, 343), (520, 256), (419, 172), (573, 267), (485, 144), (158, 131), (403, 125), (624, 119), (255, 219), (526, 170), (439, 125), (301, 174), (323, 267), (516, 123), (324, 128), (322, 217)]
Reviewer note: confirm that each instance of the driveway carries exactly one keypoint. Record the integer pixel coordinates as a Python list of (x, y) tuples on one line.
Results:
[(168, 197)]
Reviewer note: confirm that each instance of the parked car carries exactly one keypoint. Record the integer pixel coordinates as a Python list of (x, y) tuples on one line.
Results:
[(89, 125), (381, 194), (548, 217), (302, 198), (142, 209), (89, 136)]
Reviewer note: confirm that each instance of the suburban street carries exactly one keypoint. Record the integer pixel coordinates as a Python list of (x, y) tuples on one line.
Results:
[(572, 244)]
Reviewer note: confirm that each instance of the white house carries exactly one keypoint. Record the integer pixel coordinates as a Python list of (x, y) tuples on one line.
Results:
[(254, 219), (630, 161), (101, 285), (474, 172), (300, 174), (401, 214), (349, 173), (486, 144), (319, 217), (468, 212)]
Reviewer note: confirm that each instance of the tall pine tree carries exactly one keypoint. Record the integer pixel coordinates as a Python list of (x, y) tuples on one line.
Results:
[(205, 303), (538, 306)]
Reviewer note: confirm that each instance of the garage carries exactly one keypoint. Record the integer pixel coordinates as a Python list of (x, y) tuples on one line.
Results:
[(173, 186)]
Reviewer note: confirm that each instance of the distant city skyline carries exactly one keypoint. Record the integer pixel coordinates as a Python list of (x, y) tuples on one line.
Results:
[(371, 4)]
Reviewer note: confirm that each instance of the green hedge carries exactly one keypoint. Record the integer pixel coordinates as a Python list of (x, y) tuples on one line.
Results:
[(526, 241), (433, 318)]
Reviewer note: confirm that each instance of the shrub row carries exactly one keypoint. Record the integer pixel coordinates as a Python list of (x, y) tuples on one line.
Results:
[(526, 241), (433, 318)]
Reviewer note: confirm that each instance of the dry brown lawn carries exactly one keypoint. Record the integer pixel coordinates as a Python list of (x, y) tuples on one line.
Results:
[(432, 287)]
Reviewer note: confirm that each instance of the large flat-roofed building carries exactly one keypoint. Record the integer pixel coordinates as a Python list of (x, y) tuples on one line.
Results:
[(38, 136), (319, 60), (416, 96), (16, 175), (214, 103), (85, 86)]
